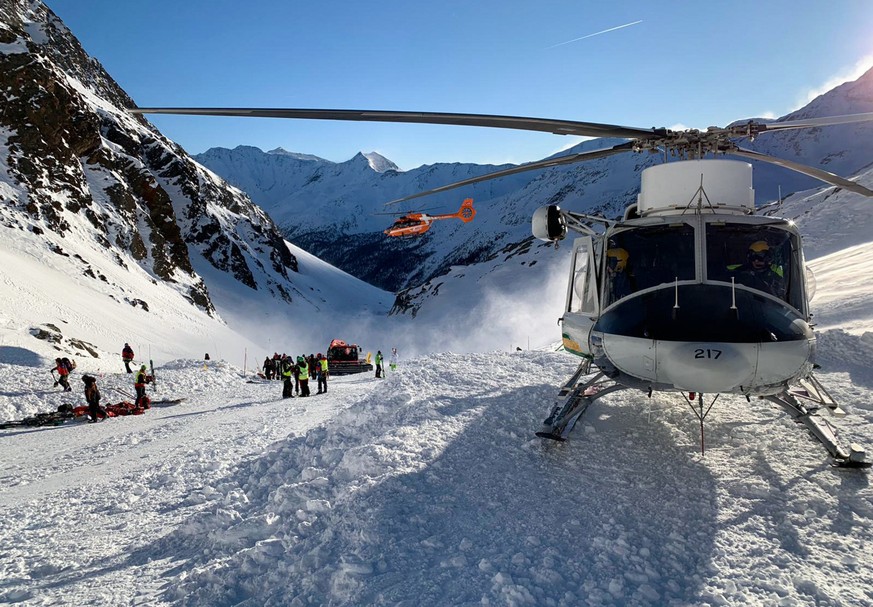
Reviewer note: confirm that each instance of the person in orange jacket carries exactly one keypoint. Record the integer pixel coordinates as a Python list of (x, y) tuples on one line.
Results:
[(63, 373)]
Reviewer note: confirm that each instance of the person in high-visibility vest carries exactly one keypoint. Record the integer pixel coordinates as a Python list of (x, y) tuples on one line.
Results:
[(760, 271), (286, 369), (304, 375), (139, 384), (379, 363), (322, 373)]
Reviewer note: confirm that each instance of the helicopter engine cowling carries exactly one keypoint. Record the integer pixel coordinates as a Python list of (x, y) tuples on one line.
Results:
[(667, 188)]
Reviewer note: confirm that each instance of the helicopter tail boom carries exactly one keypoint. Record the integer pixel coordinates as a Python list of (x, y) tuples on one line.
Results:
[(466, 213)]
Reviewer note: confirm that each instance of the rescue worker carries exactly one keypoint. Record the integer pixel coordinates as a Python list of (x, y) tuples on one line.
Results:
[(139, 384), (127, 356), (322, 373), (285, 369), (379, 363), (295, 370), (619, 280), (759, 271), (268, 368), (303, 366), (92, 397), (63, 373), (313, 366)]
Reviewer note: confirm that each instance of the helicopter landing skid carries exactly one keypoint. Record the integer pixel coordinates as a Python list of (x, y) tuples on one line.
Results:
[(810, 389), (573, 400)]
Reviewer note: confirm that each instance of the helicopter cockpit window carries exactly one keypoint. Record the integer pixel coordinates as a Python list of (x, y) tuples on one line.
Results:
[(759, 257), (646, 257)]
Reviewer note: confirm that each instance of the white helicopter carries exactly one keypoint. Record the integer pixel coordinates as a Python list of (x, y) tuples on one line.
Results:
[(690, 291)]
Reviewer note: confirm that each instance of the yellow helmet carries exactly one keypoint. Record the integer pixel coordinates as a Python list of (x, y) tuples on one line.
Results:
[(620, 257), (759, 246), (760, 250)]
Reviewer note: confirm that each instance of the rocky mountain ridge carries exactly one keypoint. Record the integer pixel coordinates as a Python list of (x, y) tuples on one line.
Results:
[(75, 164)]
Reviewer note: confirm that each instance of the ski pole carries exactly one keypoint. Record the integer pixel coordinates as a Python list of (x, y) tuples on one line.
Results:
[(122, 392)]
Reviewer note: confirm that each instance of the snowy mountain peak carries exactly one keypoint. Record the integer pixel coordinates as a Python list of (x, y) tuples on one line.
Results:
[(296, 155), (379, 163)]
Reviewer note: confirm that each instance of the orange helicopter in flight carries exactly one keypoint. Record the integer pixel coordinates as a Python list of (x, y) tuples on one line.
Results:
[(415, 224)]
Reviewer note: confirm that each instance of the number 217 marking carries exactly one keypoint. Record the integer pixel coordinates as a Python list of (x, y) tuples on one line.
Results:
[(707, 353)]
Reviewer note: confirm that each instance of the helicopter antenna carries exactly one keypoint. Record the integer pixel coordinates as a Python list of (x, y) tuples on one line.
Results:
[(703, 195), (778, 206), (772, 208), (700, 194)]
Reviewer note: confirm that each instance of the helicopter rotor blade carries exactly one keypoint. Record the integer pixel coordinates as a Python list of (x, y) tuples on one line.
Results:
[(806, 123), (654, 137), (398, 213), (546, 125), (819, 174), (542, 164)]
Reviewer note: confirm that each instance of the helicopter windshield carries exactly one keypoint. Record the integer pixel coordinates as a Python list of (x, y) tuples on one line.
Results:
[(646, 257), (759, 257)]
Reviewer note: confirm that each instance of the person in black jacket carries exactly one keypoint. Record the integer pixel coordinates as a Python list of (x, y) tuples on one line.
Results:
[(127, 357), (92, 397), (269, 368)]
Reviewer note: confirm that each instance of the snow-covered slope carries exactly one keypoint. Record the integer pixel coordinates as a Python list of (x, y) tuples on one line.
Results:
[(50, 308), (429, 489)]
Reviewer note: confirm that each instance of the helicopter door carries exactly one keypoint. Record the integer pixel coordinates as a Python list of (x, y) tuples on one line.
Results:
[(582, 296)]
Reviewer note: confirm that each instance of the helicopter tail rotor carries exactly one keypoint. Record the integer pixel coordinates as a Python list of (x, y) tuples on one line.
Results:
[(466, 213)]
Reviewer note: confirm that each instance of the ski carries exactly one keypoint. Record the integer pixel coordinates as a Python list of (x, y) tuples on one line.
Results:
[(168, 401)]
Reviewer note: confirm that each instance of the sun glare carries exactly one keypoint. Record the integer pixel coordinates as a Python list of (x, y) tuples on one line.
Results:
[(846, 75)]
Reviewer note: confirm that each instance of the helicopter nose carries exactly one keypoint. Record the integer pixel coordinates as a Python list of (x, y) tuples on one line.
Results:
[(711, 367), (706, 346), (707, 367)]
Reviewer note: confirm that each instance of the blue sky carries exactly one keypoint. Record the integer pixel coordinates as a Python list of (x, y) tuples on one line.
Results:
[(663, 63)]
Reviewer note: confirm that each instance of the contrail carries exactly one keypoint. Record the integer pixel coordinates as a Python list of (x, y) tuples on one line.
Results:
[(612, 29)]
